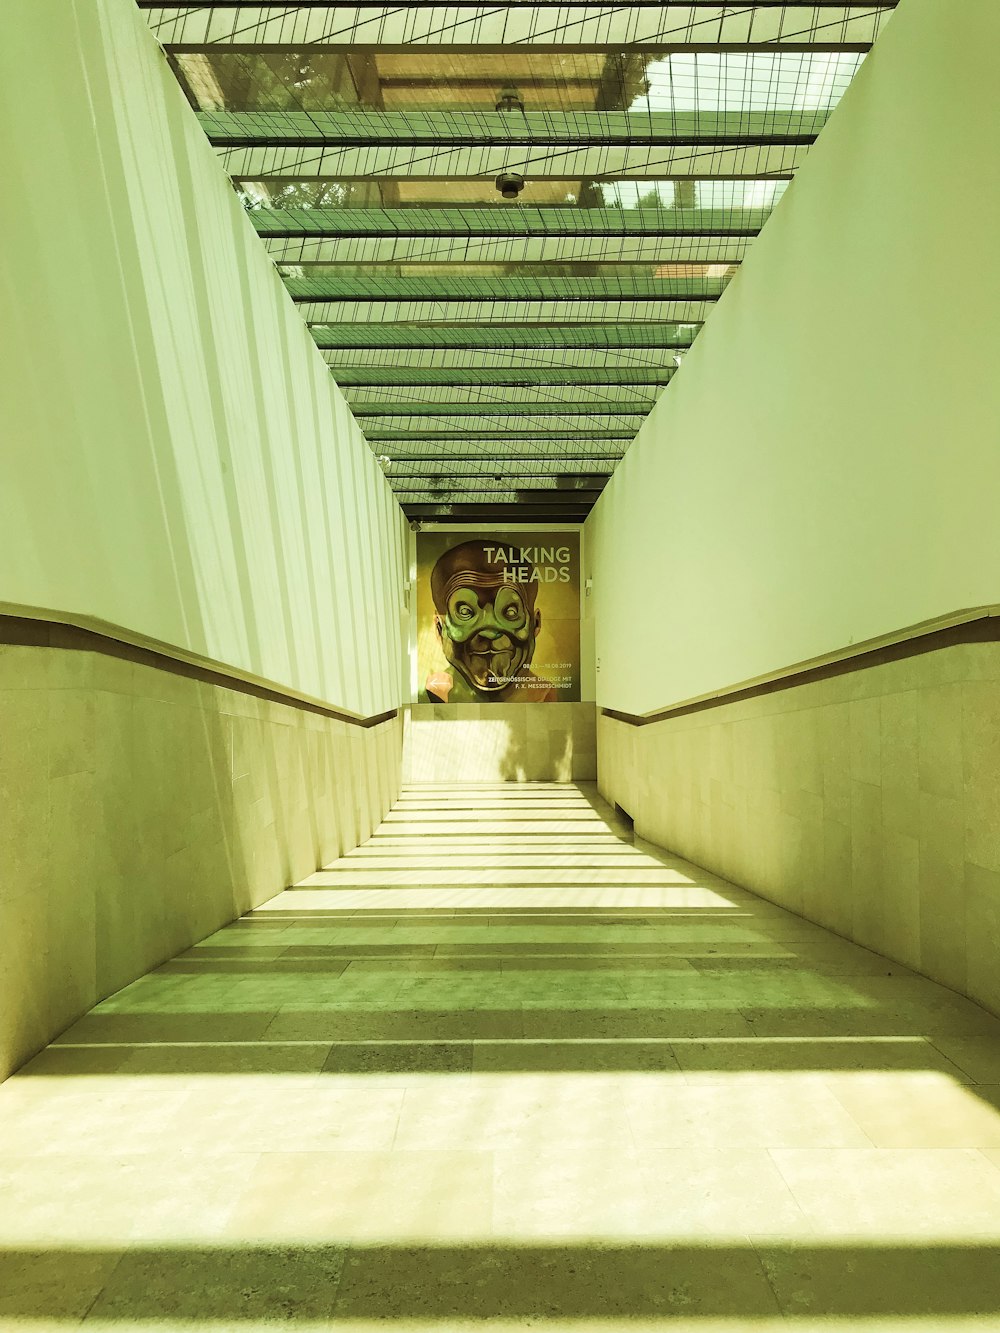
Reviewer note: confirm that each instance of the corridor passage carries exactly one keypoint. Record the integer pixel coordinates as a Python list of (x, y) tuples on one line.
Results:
[(501, 1068)]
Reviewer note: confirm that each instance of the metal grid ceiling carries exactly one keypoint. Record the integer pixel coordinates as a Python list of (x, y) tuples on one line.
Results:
[(501, 353)]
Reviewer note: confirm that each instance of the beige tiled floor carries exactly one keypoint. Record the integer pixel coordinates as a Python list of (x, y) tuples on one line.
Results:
[(502, 1069)]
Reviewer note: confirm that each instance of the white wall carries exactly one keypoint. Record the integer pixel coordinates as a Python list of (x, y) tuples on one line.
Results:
[(174, 457), (825, 467)]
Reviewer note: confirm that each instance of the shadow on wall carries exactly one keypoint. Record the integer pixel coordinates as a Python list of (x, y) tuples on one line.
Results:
[(864, 800), (231, 506), (199, 479), (500, 743), (520, 761), (150, 810)]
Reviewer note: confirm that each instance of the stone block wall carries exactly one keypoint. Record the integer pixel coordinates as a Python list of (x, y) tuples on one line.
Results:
[(868, 802), (141, 810), (500, 743)]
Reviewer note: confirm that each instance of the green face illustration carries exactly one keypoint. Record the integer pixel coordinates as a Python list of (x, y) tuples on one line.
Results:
[(488, 635), (486, 615)]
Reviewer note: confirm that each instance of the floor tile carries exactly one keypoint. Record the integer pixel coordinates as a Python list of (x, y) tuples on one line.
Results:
[(920, 1110), (504, 1065), (722, 1194), (949, 1194), (386, 1196)]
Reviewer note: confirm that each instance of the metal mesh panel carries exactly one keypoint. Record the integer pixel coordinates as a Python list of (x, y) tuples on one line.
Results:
[(500, 352)]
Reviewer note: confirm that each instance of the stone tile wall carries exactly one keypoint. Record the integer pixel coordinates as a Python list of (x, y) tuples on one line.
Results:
[(140, 811), (500, 743), (868, 802)]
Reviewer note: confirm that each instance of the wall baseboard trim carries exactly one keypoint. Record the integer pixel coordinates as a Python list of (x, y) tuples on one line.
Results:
[(978, 625), (25, 627)]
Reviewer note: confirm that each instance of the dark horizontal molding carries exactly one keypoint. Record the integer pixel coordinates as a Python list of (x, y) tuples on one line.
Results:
[(527, 44), (515, 220), (440, 264), (598, 473), (370, 129), (506, 458), (459, 290), (862, 6), (113, 641), (573, 478), (979, 625), (663, 174), (566, 483), (495, 438), (496, 513), (507, 495), (574, 497)]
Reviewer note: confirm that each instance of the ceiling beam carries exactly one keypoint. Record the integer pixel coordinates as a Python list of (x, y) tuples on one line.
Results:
[(558, 480), (550, 362), (541, 26), (450, 408), (510, 484), (569, 408), (653, 250), (474, 313), (286, 165), (656, 43), (507, 235), (491, 513), (551, 500), (578, 430), (341, 5), (444, 400), (540, 336), (502, 443), (563, 376), (506, 458), (451, 289), (293, 146), (503, 222), (504, 233), (391, 130)]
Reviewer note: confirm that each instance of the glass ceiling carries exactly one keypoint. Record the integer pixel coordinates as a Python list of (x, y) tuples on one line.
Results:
[(654, 141), (549, 192), (304, 80)]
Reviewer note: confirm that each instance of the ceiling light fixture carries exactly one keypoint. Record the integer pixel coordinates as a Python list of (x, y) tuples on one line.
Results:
[(510, 184), (509, 99)]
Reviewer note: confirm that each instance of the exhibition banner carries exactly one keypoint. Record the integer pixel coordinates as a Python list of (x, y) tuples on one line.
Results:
[(498, 617)]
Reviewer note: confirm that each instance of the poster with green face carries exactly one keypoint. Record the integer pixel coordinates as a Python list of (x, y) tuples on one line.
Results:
[(498, 617)]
